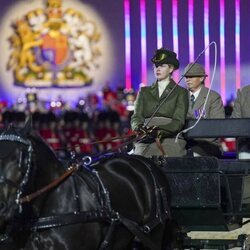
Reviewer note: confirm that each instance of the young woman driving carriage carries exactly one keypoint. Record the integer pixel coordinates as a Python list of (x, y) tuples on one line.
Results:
[(160, 110)]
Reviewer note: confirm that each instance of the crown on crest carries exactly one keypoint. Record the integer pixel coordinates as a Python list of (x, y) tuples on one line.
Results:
[(54, 3)]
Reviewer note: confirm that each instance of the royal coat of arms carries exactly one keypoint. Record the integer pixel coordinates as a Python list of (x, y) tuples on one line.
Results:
[(54, 48)]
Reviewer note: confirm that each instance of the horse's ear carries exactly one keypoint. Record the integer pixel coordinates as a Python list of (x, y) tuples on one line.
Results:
[(27, 126)]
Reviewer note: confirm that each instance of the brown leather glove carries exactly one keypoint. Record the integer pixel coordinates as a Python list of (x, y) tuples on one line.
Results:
[(151, 134), (153, 131), (141, 130)]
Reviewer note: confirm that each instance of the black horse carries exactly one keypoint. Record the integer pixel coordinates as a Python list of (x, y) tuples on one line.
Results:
[(110, 204)]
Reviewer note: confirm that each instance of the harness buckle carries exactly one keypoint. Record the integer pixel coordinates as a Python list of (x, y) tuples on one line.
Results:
[(115, 217), (146, 229), (86, 160)]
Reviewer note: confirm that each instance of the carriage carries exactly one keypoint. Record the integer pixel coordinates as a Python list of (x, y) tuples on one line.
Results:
[(211, 194), (117, 201)]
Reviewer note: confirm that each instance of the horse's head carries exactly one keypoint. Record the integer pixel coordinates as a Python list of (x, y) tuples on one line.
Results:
[(15, 165), (27, 164)]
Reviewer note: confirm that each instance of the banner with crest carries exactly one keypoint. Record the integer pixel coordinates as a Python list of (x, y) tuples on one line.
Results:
[(53, 47)]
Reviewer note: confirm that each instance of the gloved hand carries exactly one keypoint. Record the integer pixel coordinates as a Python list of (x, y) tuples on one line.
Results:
[(151, 134), (141, 130), (153, 131)]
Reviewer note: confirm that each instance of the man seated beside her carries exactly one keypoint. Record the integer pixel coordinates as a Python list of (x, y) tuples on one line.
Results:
[(195, 76)]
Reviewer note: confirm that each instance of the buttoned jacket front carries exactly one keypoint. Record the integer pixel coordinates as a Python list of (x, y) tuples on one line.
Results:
[(214, 109), (173, 104)]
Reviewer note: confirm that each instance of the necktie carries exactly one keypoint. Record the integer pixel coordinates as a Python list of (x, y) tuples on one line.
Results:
[(192, 100)]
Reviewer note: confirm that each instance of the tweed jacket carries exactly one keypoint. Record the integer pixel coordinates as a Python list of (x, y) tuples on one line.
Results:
[(241, 107), (175, 107), (214, 110)]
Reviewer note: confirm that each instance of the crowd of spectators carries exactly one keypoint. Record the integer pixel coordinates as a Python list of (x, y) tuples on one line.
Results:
[(92, 120), (78, 128)]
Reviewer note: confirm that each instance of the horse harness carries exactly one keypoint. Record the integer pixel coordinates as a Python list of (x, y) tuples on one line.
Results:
[(104, 213), (27, 143)]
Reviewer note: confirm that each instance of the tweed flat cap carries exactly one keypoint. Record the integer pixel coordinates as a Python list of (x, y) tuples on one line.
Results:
[(194, 69)]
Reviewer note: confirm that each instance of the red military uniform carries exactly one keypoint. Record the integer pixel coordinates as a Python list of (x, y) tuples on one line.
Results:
[(49, 131), (51, 137), (81, 141), (106, 132)]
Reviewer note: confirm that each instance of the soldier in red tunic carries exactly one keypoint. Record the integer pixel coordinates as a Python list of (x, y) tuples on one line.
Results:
[(49, 131)]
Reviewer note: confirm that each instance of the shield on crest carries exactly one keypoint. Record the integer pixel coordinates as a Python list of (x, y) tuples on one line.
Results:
[(55, 49)]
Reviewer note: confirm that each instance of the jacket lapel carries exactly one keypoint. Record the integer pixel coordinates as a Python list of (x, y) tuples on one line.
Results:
[(200, 99), (154, 91)]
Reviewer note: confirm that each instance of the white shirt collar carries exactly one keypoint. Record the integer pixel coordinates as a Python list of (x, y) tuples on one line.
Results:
[(162, 85), (196, 93)]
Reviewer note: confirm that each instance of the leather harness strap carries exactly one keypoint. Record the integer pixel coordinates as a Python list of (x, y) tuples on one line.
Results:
[(136, 230), (93, 216), (56, 182), (101, 215), (159, 145), (69, 219)]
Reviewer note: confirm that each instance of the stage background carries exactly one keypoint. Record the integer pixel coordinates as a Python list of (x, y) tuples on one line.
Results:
[(130, 32)]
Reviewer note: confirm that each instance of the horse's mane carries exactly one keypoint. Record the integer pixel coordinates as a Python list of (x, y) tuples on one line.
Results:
[(41, 147)]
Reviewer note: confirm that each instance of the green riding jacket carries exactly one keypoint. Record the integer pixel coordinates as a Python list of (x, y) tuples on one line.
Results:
[(175, 107)]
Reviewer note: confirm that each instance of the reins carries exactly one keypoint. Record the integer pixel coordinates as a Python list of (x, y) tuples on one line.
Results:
[(69, 171), (160, 147), (131, 138), (51, 185), (113, 139), (75, 167)]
